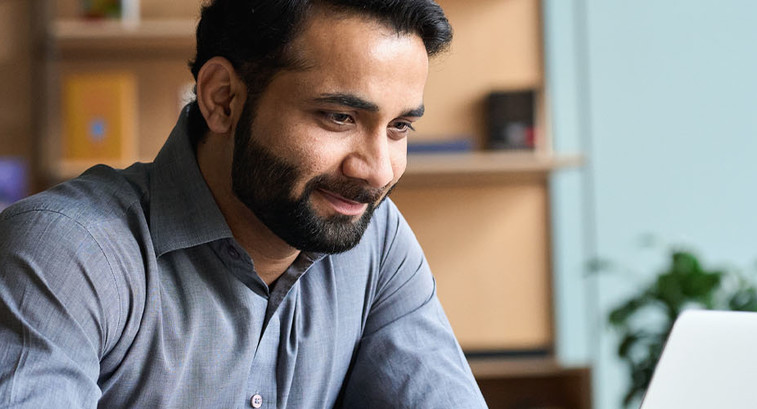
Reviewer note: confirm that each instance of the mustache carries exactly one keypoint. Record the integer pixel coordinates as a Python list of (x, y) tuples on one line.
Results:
[(347, 188)]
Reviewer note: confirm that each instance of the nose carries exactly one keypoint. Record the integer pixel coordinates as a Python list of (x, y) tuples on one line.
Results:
[(371, 160)]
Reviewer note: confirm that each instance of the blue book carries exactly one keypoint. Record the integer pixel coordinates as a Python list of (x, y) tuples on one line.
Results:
[(14, 182), (446, 146)]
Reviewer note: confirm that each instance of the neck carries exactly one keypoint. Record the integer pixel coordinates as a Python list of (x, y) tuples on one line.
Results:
[(271, 255)]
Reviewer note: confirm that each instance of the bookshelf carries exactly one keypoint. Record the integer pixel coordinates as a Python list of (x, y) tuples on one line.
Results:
[(157, 36), (482, 167), (482, 216)]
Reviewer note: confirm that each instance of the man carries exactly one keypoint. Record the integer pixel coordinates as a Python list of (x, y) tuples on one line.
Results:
[(256, 262)]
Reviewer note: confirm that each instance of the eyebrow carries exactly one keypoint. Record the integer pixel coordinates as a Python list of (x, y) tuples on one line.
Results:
[(417, 112), (356, 102)]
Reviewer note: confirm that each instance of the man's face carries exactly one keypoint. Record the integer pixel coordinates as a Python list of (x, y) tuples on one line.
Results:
[(325, 144)]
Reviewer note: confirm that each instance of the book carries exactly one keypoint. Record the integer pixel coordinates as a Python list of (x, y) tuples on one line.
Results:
[(440, 146), (14, 180), (99, 117)]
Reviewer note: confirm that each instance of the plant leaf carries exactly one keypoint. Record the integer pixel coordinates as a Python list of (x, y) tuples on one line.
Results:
[(619, 316), (744, 299), (685, 263)]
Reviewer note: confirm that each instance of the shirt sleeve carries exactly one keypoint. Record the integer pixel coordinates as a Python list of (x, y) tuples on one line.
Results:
[(54, 285), (408, 356)]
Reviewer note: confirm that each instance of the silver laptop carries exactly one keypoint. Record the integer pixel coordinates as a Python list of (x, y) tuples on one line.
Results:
[(709, 361)]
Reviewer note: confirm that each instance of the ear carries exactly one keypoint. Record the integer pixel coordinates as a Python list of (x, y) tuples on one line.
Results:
[(220, 95)]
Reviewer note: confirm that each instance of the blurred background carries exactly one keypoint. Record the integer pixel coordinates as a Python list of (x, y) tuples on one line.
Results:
[(569, 147)]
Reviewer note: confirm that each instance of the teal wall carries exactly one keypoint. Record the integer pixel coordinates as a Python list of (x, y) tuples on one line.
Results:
[(661, 96)]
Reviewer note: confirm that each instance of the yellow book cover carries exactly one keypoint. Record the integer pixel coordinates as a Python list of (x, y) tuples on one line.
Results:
[(99, 118)]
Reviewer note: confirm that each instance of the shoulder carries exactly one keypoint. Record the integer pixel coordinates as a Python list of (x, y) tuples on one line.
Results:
[(100, 194), (101, 204)]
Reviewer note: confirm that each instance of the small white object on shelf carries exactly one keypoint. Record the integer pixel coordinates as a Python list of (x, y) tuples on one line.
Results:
[(130, 12)]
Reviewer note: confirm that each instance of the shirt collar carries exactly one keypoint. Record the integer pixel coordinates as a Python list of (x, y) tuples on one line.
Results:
[(183, 212)]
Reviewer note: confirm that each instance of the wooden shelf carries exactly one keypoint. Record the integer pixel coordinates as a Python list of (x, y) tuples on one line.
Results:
[(508, 383), (496, 367), (484, 166), (116, 37), (434, 169)]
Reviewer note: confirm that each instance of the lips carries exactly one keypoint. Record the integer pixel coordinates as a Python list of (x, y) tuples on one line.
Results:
[(343, 205)]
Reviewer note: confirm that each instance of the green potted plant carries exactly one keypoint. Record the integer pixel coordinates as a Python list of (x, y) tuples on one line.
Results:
[(645, 319)]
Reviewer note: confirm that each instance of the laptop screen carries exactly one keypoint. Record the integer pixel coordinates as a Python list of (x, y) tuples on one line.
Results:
[(709, 361)]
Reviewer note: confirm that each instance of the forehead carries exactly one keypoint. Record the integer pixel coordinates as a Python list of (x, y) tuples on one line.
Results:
[(343, 50)]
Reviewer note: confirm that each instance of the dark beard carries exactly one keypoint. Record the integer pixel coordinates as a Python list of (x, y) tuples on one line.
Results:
[(264, 183)]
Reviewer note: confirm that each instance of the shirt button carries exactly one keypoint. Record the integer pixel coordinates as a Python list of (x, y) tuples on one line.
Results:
[(233, 253), (256, 401)]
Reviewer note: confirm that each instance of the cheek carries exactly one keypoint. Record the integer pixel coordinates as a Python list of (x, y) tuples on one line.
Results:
[(399, 159), (318, 151), (313, 160), (315, 156), (291, 142), (313, 163)]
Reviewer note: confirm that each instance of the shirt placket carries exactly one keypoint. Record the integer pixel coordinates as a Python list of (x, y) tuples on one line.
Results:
[(262, 380), (261, 384)]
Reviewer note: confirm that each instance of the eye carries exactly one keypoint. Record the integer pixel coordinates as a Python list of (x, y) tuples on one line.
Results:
[(339, 118), (403, 126), (400, 129)]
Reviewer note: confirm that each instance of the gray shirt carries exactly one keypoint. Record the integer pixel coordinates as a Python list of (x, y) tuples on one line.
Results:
[(126, 289)]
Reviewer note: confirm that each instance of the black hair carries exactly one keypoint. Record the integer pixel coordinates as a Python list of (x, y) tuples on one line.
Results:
[(254, 34)]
